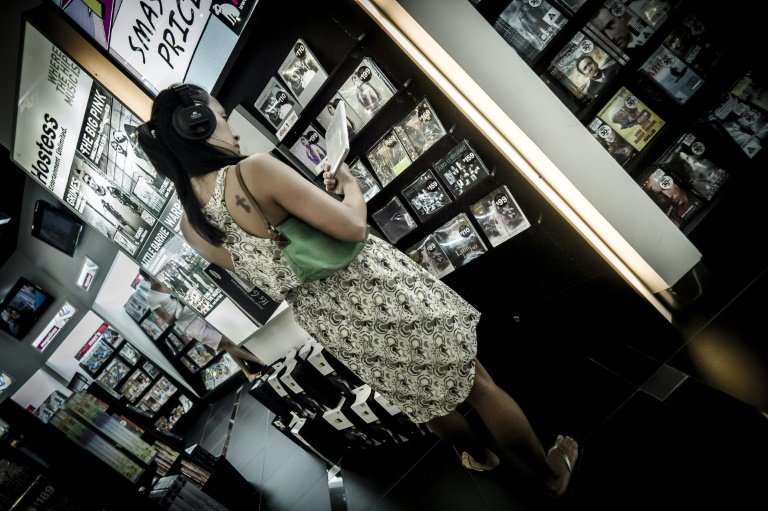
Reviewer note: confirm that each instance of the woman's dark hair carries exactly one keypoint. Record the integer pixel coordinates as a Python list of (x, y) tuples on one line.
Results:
[(179, 159)]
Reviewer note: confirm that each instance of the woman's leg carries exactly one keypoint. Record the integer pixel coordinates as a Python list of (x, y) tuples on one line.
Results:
[(455, 429), (511, 430)]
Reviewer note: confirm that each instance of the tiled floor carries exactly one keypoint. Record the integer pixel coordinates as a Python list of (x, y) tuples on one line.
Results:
[(626, 384)]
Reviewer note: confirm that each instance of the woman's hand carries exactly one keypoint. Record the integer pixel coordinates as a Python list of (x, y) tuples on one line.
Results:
[(336, 184)]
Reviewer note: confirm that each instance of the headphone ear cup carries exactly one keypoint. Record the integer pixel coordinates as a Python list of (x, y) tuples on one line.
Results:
[(195, 122)]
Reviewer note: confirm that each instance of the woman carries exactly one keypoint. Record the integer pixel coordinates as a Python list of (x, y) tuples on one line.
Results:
[(402, 331)]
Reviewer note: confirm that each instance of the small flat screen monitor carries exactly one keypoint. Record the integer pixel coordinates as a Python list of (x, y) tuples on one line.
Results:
[(22, 307), (56, 227)]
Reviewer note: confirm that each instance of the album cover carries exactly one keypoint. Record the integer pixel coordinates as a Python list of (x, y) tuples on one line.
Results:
[(367, 90), (394, 221), (631, 119), (157, 395), (388, 158), (743, 114), (459, 240), (675, 201), (686, 161), (302, 72), (420, 129), (624, 27), (461, 169), (583, 67), (528, 26), (426, 195), (199, 353), (275, 103), (672, 74), (354, 122), (129, 353), (690, 40), (151, 369), (310, 149), (616, 146), (431, 256), (191, 366), (499, 216), (368, 184)]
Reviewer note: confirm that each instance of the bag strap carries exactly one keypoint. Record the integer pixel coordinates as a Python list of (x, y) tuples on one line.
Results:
[(273, 233)]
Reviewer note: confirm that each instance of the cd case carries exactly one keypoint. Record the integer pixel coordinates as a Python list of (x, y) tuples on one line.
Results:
[(420, 129), (459, 240), (310, 149), (499, 216), (388, 157), (302, 72), (394, 221), (367, 90), (276, 104), (426, 195), (431, 256), (686, 161), (461, 169), (368, 184)]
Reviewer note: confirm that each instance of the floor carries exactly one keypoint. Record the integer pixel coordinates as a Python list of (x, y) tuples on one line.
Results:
[(661, 413)]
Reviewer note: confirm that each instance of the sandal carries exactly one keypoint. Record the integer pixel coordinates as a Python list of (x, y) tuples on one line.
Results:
[(469, 462), (570, 463)]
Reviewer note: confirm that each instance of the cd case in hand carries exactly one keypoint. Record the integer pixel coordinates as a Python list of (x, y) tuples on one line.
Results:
[(426, 195), (337, 139)]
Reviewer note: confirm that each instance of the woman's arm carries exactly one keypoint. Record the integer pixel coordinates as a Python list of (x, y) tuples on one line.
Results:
[(272, 181)]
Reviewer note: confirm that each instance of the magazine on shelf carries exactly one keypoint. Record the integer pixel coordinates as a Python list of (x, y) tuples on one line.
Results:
[(151, 369), (686, 161), (426, 195), (114, 373), (160, 392), (583, 67), (368, 184), (302, 72), (674, 200), (631, 119), (623, 27), (278, 106), (691, 41), (459, 240), (529, 26), (672, 74), (431, 256), (420, 129), (129, 353), (310, 149), (199, 353), (394, 221), (743, 114), (388, 158), (617, 147), (461, 169), (135, 385), (354, 122), (367, 90), (499, 216), (96, 357)]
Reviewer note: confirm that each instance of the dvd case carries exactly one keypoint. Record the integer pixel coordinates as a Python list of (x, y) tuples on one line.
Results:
[(431, 256), (426, 195), (310, 149), (499, 216), (368, 184), (583, 67), (459, 240), (675, 201), (420, 129), (672, 74), (388, 157), (367, 90), (302, 72), (394, 221), (461, 169), (685, 161), (631, 119), (616, 146), (690, 40), (528, 26)]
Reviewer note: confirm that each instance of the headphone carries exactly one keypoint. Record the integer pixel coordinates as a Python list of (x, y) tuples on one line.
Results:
[(193, 119)]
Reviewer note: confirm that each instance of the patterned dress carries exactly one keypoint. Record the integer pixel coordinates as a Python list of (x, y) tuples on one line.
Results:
[(402, 331)]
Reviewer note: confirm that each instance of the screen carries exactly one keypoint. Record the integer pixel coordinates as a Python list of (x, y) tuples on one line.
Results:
[(56, 228), (22, 307)]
